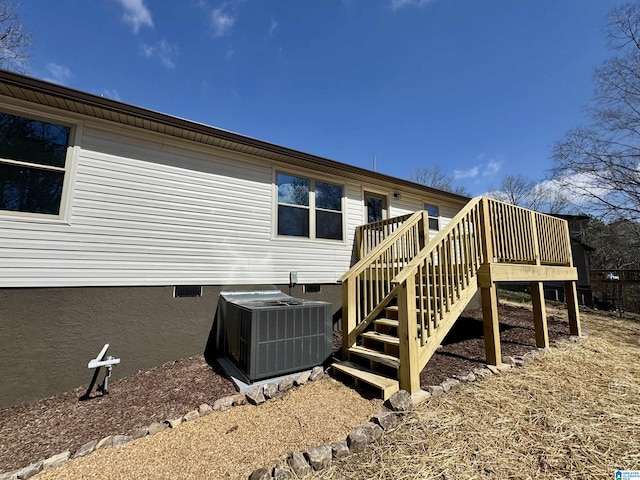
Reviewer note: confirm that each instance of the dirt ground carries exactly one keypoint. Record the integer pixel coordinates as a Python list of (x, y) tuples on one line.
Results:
[(37, 430)]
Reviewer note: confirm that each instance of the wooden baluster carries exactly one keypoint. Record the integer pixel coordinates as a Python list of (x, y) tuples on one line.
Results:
[(434, 291)]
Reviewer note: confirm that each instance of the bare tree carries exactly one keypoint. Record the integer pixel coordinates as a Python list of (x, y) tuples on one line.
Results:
[(434, 177), (541, 196), (516, 190), (14, 40), (600, 163)]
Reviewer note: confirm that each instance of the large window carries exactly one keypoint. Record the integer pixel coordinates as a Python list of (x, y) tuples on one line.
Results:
[(33, 158), (309, 208)]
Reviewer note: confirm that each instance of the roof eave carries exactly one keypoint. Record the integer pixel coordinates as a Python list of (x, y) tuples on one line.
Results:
[(120, 108)]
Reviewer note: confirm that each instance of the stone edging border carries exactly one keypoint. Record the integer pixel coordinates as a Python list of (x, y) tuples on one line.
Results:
[(313, 459), (255, 396), (399, 404)]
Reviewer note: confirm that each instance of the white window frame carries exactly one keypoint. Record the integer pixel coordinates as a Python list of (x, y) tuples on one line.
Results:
[(69, 169), (311, 208)]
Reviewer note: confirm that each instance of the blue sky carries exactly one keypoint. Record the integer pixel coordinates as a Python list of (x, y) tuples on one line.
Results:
[(482, 88)]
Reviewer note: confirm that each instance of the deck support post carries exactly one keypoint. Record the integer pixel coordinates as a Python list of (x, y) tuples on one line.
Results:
[(489, 295), (424, 237), (349, 300), (571, 294), (490, 324), (539, 314), (408, 336)]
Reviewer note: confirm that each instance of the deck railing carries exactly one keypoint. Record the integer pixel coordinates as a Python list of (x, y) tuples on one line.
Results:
[(554, 239), (523, 236), (367, 286), (445, 268), (438, 283), (370, 235), (434, 280)]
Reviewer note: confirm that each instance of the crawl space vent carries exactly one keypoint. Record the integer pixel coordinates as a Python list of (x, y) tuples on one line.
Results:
[(180, 291)]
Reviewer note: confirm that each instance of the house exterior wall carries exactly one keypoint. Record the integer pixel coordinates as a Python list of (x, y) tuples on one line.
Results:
[(147, 211), (144, 212)]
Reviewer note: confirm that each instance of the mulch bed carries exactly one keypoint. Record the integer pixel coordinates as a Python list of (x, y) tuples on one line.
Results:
[(463, 348), (37, 430)]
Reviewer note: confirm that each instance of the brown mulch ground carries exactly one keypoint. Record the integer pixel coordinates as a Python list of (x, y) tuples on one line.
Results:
[(37, 430), (463, 348)]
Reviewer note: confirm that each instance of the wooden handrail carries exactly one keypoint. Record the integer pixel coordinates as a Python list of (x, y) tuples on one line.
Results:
[(369, 235), (402, 276), (367, 287), (439, 280), (366, 261)]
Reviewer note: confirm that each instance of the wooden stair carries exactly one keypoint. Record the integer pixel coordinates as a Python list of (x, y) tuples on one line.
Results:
[(408, 286), (381, 337), (375, 356), (386, 385), (374, 360)]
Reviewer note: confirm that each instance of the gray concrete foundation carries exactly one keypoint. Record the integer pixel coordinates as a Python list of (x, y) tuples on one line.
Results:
[(48, 335)]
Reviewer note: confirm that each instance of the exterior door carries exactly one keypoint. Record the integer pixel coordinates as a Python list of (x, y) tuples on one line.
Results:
[(376, 207)]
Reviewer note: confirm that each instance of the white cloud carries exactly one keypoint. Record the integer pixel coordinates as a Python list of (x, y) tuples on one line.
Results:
[(136, 14), (481, 169), (163, 51), (111, 93), (582, 187), (222, 21), (272, 28), (470, 173), (229, 55), (58, 73), (492, 168), (398, 4)]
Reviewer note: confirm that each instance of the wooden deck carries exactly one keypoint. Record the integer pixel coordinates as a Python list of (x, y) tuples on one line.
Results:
[(405, 293)]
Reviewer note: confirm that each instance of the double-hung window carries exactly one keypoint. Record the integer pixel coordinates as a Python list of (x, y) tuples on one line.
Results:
[(309, 208), (33, 164)]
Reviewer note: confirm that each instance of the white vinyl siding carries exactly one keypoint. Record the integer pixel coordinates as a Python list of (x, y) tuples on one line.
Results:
[(145, 213)]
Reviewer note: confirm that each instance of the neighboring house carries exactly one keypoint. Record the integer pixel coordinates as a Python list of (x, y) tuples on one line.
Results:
[(121, 225), (580, 252)]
